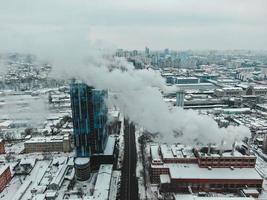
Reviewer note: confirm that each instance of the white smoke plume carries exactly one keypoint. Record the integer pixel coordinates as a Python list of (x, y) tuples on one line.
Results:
[(32, 110), (66, 45), (138, 95)]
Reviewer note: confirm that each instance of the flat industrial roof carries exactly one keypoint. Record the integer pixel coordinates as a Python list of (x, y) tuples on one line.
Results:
[(193, 171), (154, 150), (110, 145), (102, 185), (191, 197), (58, 138), (176, 151)]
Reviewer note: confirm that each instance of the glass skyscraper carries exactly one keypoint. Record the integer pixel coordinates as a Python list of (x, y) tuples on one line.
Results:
[(89, 114)]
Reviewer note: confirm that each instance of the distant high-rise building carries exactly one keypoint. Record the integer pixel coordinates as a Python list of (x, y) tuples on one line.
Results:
[(166, 52), (180, 98), (147, 51), (134, 53), (89, 114)]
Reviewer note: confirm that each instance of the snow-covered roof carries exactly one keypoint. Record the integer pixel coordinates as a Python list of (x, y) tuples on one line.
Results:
[(59, 177), (193, 171), (103, 182), (30, 161), (232, 89), (6, 124), (110, 145), (154, 150), (45, 139), (191, 197), (176, 151), (81, 160), (250, 191), (166, 151), (165, 178)]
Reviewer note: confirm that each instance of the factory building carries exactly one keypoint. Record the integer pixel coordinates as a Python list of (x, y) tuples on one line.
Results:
[(246, 92), (229, 92), (89, 114), (212, 157), (186, 80), (5, 176), (48, 144), (161, 154), (172, 79), (256, 90), (181, 177), (178, 168)]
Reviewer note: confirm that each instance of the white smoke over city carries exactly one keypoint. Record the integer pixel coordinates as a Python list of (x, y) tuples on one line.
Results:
[(136, 92)]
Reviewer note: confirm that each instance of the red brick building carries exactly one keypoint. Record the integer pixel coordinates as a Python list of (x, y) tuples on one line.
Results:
[(230, 158), (185, 176), (175, 168), (2, 147), (5, 176)]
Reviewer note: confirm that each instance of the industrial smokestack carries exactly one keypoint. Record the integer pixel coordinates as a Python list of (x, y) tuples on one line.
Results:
[(221, 147), (233, 148), (209, 149), (249, 145)]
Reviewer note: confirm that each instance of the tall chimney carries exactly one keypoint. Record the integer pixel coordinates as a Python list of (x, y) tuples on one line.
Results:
[(221, 148), (233, 148), (249, 145), (209, 148)]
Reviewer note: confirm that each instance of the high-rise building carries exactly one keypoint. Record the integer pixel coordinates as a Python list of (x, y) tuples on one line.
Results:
[(147, 51), (166, 51), (89, 114)]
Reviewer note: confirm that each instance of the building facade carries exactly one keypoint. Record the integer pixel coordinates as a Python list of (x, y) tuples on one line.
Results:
[(2, 147), (89, 114), (5, 176), (48, 144)]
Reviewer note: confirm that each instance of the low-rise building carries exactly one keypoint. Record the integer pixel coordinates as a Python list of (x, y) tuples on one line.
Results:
[(48, 144), (256, 90), (185, 176), (229, 92)]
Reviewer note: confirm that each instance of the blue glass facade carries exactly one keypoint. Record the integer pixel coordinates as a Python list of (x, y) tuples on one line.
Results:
[(89, 114)]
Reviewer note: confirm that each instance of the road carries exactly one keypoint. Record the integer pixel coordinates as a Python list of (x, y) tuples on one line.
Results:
[(129, 185)]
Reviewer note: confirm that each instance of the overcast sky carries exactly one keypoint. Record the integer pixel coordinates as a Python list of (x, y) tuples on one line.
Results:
[(158, 24)]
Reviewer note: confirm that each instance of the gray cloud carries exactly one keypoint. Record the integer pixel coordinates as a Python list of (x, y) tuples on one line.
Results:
[(177, 24)]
